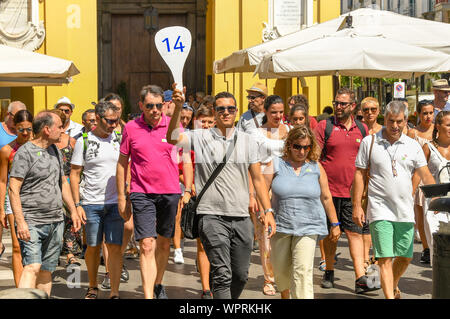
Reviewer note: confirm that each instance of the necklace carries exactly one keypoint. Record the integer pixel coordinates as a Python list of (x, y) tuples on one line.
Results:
[(393, 161)]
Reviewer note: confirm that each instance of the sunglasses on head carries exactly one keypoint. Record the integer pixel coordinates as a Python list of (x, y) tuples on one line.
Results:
[(231, 109), (110, 121), (28, 129), (150, 106), (301, 147)]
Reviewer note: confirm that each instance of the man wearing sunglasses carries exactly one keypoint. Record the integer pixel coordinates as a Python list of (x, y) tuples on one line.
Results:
[(225, 227), (340, 145), (252, 119), (97, 157), (70, 127), (441, 90), (154, 188)]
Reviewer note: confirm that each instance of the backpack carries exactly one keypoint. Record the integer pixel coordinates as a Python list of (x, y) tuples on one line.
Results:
[(329, 129), (86, 142)]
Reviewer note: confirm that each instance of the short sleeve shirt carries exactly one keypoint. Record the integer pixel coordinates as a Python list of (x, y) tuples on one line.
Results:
[(228, 194), (341, 149), (40, 194), (390, 197), (154, 162), (99, 168), (246, 122)]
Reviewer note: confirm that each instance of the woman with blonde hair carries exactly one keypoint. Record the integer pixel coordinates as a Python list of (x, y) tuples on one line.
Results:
[(371, 109), (301, 198)]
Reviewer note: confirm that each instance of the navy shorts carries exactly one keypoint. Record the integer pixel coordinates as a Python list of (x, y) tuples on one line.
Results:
[(154, 214), (344, 212)]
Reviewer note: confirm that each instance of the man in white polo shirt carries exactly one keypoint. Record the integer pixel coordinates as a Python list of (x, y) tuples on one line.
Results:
[(390, 210)]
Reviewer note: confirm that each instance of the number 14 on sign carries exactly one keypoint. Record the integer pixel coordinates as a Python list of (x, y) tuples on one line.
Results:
[(178, 44)]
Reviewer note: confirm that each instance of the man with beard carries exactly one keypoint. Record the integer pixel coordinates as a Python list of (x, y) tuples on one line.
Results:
[(340, 137), (252, 119)]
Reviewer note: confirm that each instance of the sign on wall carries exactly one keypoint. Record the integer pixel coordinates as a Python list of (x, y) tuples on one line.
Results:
[(287, 16)]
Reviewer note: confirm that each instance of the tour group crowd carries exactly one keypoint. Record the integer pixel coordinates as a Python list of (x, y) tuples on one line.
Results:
[(290, 182)]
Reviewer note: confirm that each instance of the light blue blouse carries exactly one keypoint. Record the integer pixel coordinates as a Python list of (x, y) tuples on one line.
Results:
[(296, 200)]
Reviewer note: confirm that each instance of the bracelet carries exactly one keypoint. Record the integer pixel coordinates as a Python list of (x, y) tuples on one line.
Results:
[(335, 224), (188, 190), (268, 210)]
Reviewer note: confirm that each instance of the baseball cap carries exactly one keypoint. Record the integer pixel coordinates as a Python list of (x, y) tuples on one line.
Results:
[(258, 87), (168, 95), (441, 84), (64, 101)]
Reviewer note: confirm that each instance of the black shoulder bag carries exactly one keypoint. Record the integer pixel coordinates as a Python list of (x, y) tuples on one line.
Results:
[(189, 217)]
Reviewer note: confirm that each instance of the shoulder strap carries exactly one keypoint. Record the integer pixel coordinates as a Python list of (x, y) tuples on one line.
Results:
[(254, 118), (361, 127), (60, 164), (85, 144), (217, 170), (326, 136)]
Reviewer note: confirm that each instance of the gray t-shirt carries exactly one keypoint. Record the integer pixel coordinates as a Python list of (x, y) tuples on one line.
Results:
[(228, 194), (40, 194), (246, 122)]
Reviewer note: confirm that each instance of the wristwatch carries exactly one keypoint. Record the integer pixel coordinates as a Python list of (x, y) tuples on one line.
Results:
[(77, 204), (188, 190)]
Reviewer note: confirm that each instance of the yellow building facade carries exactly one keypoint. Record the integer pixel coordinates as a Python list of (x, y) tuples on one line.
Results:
[(233, 25), (71, 34)]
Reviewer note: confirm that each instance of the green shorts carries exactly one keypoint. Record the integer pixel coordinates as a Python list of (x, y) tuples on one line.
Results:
[(392, 239)]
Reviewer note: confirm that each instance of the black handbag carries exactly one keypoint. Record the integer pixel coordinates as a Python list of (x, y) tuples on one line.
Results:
[(189, 217)]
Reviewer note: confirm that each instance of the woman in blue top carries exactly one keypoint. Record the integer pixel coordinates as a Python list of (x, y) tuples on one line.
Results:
[(299, 195)]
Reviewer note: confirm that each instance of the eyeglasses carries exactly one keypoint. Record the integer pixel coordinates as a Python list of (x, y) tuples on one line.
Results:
[(344, 104), (67, 111), (301, 147), (28, 129), (221, 109), (252, 97), (150, 106), (369, 109), (111, 121)]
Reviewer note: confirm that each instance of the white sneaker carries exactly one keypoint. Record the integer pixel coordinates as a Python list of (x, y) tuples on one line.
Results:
[(178, 256)]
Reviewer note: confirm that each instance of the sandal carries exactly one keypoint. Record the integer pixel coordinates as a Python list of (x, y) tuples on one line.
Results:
[(3, 250), (73, 261), (269, 289), (114, 297), (91, 293)]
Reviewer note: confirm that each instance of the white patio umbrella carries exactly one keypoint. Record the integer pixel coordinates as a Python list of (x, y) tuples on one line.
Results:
[(419, 32), (350, 54), (24, 68)]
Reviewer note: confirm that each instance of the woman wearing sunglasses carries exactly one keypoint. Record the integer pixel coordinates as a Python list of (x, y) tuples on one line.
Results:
[(300, 198), (270, 138), (370, 110), (422, 133), (23, 122)]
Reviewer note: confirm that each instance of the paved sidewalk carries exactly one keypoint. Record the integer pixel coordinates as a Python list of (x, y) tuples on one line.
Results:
[(183, 281)]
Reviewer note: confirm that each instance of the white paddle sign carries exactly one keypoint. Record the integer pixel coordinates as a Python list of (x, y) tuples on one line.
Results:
[(174, 44)]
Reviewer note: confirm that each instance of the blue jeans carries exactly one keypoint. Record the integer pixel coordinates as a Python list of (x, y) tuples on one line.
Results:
[(103, 220), (44, 246)]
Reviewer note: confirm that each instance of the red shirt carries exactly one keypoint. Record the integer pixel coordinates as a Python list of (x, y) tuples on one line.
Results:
[(341, 150), (312, 122)]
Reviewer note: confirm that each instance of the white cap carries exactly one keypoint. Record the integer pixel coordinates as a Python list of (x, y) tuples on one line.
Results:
[(64, 101)]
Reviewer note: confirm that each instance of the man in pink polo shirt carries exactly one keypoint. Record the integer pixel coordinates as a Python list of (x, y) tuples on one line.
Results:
[(154, 189), (340, 145)]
